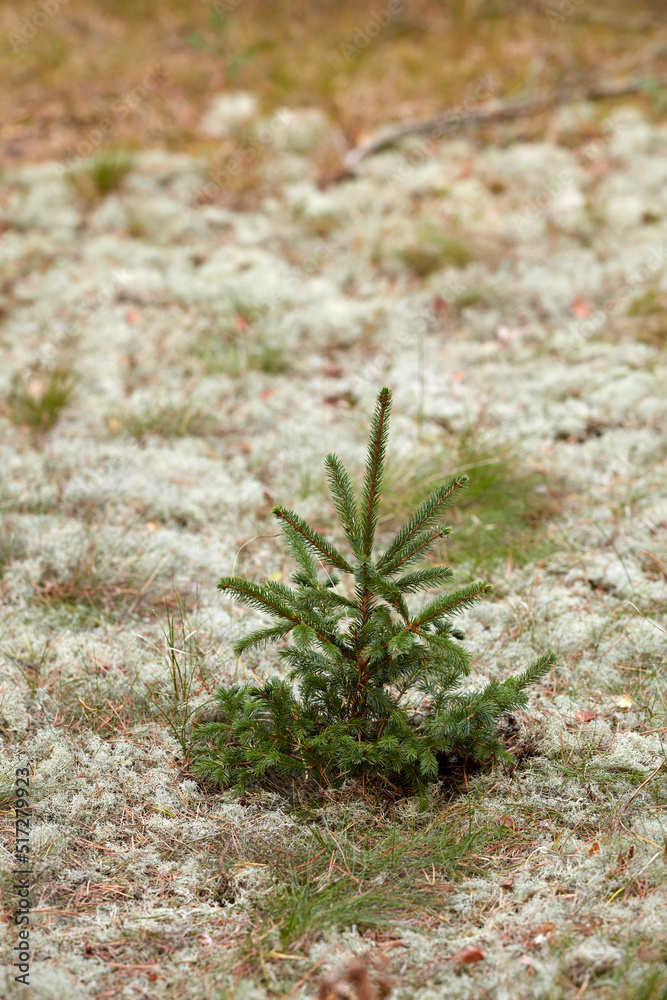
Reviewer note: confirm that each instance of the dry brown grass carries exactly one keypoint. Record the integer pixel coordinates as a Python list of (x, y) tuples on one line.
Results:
[(99, 586), (65, 81)]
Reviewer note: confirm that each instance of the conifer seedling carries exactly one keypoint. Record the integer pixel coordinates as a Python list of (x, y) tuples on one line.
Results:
[(357, 663)]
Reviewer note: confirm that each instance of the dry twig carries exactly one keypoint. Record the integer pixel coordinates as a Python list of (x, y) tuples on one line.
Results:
[(489, 113)]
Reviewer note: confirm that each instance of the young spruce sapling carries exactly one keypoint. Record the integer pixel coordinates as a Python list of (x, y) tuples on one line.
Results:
[(356, 663)]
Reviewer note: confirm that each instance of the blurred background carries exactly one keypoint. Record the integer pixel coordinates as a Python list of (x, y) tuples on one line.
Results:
[(65, 62)]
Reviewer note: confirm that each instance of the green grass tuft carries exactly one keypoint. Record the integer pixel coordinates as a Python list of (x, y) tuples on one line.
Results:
[(13, 544), (178, 703), (370, 874), (101, 176), (370, 880), (166, 420), (37, 402), (236, 347), (432, 251), (504, 515), (648, 312), (649, 303)]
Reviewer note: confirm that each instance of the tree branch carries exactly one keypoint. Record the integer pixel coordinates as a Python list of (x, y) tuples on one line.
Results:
[(488, 113)]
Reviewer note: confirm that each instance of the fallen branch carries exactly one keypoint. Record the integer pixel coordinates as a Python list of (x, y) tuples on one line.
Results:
[(488, 113)]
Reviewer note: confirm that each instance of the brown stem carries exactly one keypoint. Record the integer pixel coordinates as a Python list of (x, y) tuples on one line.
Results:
[(365, 607)]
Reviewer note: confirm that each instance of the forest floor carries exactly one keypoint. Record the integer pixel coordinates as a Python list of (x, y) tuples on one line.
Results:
[(186, 332)]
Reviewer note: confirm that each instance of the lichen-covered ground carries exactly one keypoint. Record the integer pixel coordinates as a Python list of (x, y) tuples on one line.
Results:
[(175, 362)]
